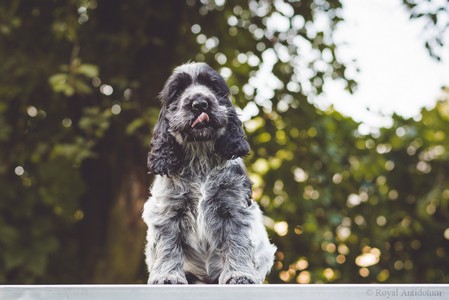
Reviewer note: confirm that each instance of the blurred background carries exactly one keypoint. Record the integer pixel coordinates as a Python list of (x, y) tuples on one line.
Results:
[(345, 108)]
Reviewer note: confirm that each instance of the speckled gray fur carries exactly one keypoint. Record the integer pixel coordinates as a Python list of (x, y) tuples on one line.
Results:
[(203, 224)]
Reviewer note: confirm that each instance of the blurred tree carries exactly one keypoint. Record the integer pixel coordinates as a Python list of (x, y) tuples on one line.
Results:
[(435, 15), (357, 208), (78, 88)]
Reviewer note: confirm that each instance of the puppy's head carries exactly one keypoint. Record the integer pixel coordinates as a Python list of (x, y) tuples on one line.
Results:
[(195, 108), (196, 99)]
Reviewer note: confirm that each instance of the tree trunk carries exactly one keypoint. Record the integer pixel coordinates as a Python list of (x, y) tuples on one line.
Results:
[(125, 235), (113, 232)]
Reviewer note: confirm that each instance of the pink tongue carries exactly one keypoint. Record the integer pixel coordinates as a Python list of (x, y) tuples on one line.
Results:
[(201, 118)]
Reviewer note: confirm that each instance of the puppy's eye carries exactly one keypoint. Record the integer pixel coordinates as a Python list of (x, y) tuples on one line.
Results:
[(172, 106), (215, 83), (175, 92), (179, 85)]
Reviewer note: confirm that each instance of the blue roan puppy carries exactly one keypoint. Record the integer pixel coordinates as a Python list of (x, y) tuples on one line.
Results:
[(203, 224)]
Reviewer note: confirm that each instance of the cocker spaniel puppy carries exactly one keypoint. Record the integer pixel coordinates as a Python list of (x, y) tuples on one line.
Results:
[(203, 224)]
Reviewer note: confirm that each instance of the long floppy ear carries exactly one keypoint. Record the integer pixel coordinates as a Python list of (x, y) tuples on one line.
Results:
[(166, 155), (232, 143)]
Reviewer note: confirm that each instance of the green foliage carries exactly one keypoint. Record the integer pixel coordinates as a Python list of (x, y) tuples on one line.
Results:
[(361, 208), (78, 101)]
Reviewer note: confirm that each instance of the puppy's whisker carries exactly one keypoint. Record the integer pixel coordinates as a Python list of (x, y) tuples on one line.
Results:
[(226, 95)]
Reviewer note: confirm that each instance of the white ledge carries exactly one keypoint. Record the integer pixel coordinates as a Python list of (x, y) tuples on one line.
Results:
[(233, 292)]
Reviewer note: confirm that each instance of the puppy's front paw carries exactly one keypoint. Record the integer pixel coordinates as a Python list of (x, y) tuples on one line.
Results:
[(240, 280), (169, 279), (237, 278)]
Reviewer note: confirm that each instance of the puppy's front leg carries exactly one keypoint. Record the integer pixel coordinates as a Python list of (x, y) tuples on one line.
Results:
[(167, 267), (238, 265), (165, 256), (229, 228)]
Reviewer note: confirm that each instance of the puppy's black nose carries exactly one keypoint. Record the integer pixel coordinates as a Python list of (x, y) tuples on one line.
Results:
[(200, 104)]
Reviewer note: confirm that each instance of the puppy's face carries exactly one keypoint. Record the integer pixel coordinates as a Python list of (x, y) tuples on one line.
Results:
[(195, 107), (197, 100)]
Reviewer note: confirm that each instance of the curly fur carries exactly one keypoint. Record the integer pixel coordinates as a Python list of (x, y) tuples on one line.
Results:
[(203, 224)]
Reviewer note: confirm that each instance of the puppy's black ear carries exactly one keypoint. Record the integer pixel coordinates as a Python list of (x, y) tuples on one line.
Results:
[(232, 143), (166, 155)]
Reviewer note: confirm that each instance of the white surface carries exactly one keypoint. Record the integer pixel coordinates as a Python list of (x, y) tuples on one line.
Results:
[(211, 292)]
